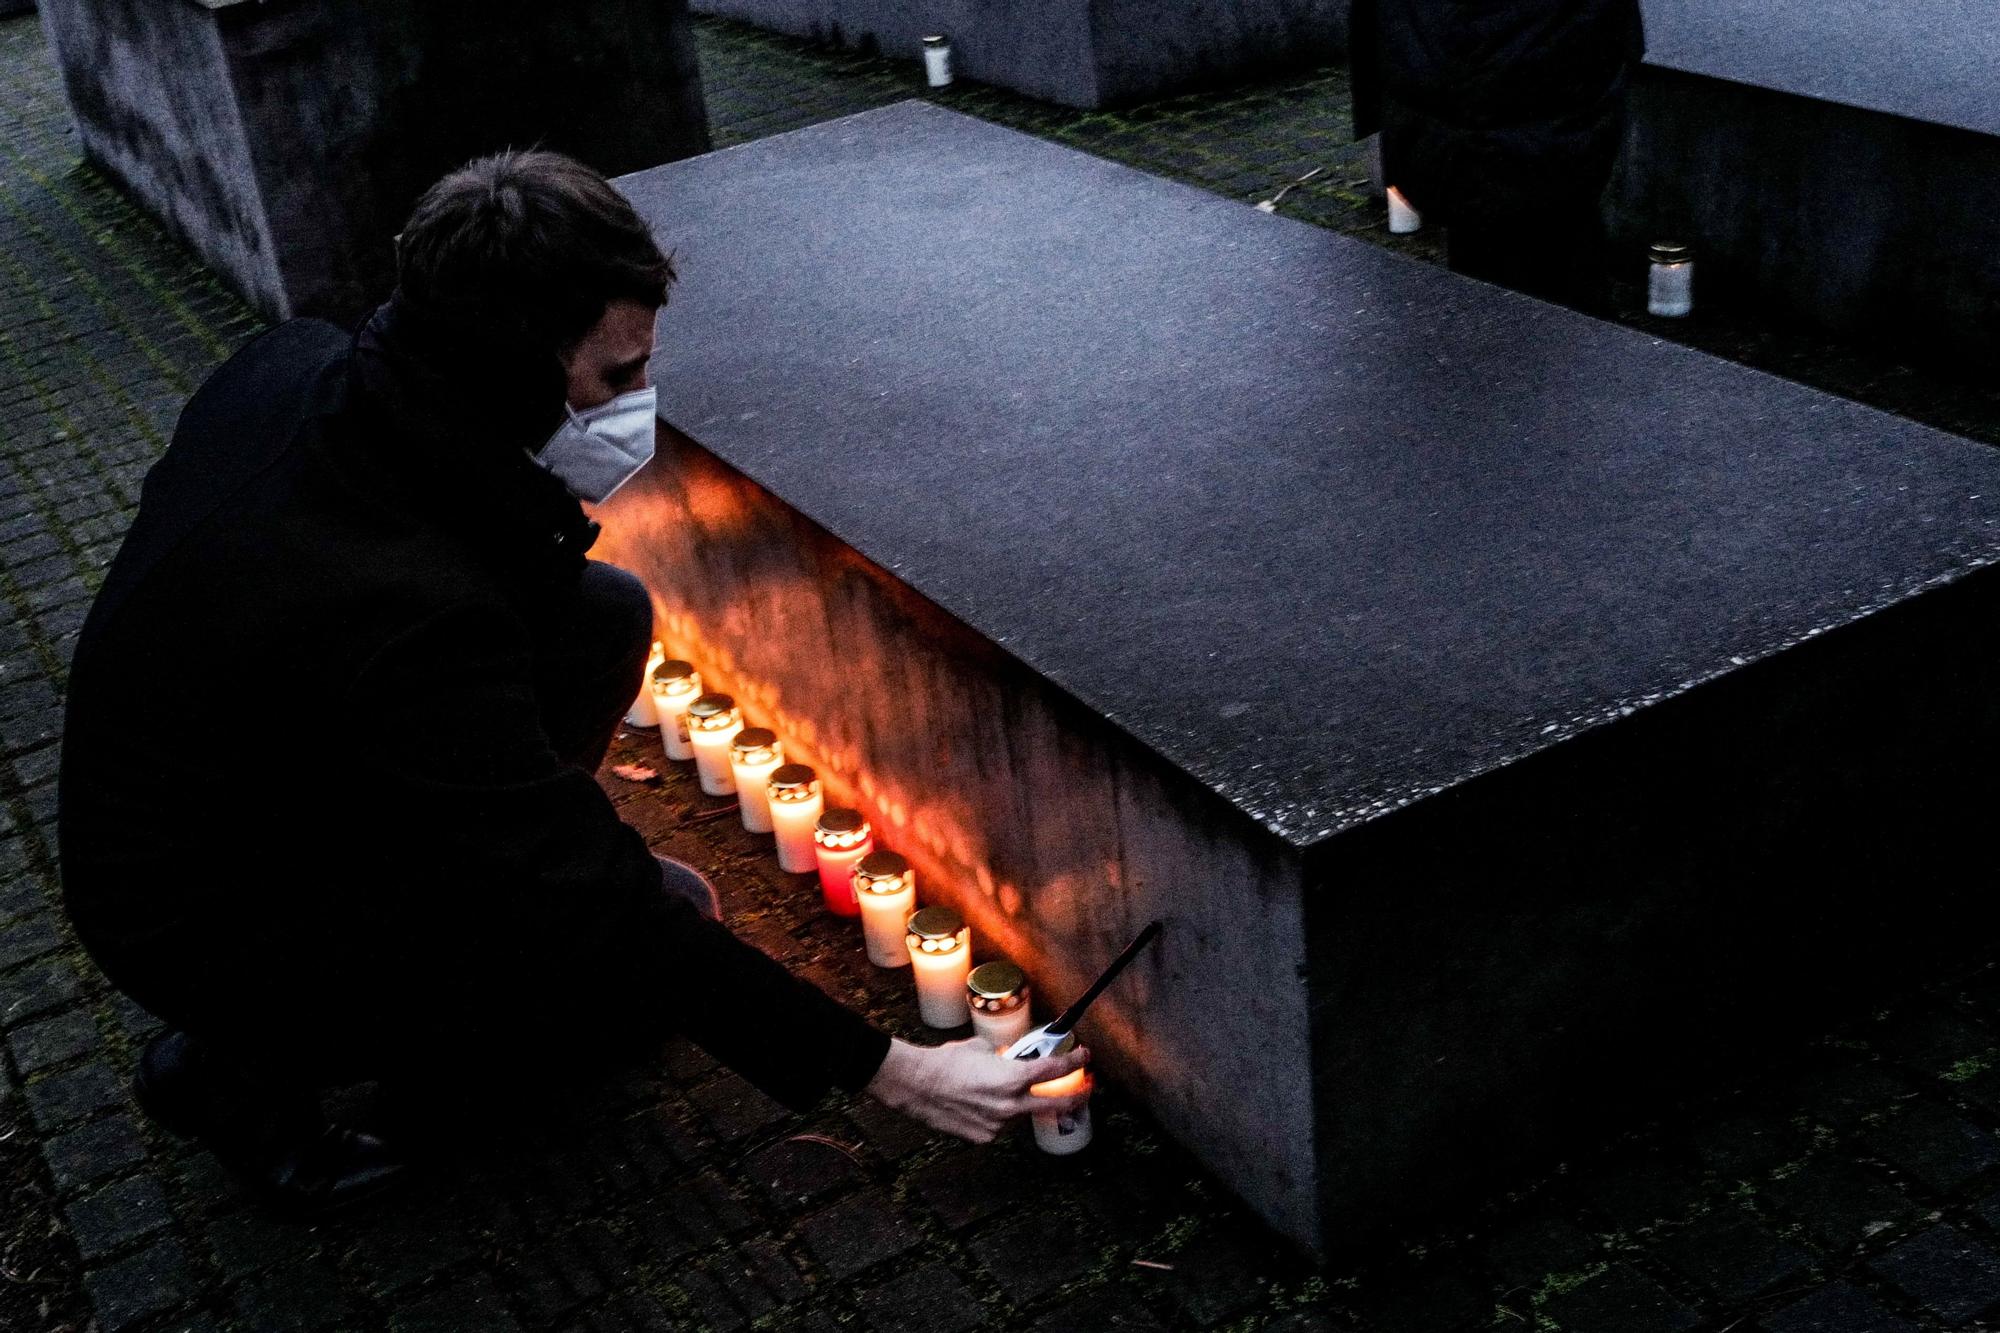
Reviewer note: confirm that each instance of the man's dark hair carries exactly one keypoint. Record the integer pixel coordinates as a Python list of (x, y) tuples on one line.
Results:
[(531, 245)]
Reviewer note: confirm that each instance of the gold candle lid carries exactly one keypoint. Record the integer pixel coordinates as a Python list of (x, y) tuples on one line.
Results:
[(754, 738), (711, 707), (841, 820), (673, 669), (1670, 252), (883, 868), (997, 987), (792, 779), (935, 923)]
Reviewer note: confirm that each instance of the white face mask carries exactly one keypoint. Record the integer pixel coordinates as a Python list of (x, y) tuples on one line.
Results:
[(597, 451)]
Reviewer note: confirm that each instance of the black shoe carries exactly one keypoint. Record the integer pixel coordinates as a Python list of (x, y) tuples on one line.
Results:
[(279, 1144)]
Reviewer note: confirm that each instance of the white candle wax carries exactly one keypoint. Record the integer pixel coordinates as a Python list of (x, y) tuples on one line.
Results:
[(712, 724), (675, 686), (1062, 1133), (940, 948), (1403, 219), (1670, 283), (642, 712), (753, 756), (937, 62), (885, 892), (997, 993), (796, 805)]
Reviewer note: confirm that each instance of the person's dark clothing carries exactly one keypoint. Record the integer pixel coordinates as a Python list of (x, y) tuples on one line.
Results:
[(326, 799), (1501, 119)]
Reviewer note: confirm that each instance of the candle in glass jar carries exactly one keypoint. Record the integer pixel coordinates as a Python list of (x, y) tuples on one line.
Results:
[(796, 805), (885, 892), (712, 724), (998, 995), (675, 685), (1065, 1132), (753, 756), (940, 946), (1670, 281), (842, 840), (642, 712), (1404, 220)]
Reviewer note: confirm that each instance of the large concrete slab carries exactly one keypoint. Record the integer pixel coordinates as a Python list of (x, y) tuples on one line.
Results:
[(1837, 163), (1478, 690)]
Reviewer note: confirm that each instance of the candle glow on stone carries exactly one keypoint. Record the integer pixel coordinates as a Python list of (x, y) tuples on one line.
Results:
[(1061, 1134), (796, 805), (940, 946), (997, 993), (642, 713), (753, 756), (712, 724), (676, 684), (842, 841), (885, 891)]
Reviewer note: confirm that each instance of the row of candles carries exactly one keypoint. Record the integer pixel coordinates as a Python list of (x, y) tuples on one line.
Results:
[(856, 878)]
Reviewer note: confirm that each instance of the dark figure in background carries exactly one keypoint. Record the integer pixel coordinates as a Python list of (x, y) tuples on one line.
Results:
[(1502, 119), (327, 804)]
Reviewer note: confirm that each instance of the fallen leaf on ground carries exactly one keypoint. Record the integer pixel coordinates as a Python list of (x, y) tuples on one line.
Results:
[(636, 772)]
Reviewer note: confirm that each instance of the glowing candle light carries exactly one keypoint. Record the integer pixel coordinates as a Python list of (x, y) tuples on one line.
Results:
[(675, 686), (1403, 219), (940, 946), (998, 995), (885, 890), (796, 805), (712, 724), (937, 62), (753, 756), (1062, 1133), (842, 840), (1670, 284), (642, 713)]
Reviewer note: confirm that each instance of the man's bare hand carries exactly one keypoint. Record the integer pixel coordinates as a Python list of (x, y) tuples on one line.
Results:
[(966, 1088)]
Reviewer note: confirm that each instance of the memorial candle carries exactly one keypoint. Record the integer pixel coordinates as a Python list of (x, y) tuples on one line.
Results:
[(1670, 283), (1062, 1133), (1403, 219), (675, 686), (885, 891), (712, 724), (796, 805), (753, 756), (842, 840), (998, 995), (642, 712), (940, 946), (937, 62)]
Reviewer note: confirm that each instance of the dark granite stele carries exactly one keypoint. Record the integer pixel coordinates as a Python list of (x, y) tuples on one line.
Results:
[(1512, 717), (1837, 162), (1081, 53), (286, 143)]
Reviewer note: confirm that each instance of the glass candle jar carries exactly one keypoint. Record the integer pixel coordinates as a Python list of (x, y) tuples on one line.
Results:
[(796, 805), (675, 685), (753, 756), (997, 994), (842, 840), (1670, 284), (940, 946), (885, 893), (1062, 1133), (1404, 219), (937, 62), (712, 724), (642, 713)]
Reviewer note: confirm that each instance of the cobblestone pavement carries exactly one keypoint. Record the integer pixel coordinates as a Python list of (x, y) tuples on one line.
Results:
[(1855, 1185)]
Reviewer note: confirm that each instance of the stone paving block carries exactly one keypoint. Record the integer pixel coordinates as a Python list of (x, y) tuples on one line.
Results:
[(39, 988), (1099, 1311), (1945, 1271), (893, 1136), (155, 1279), (51, 1041), (117, 1215), (1216, 1276), (1841, 1204), (1837, 1308), (1931, 1041), (1524, 1250), (471, 1304), (926, 1298), (409, 1239), (710, 1301), (1749, 1144), (74, 1094), (858, 1233), (1843, 1095), (970, 1184), (1937, 1147), (797, 1174), (1421, 1297), (1639, 1193), (248, 1243), (301, 1298), (1030, 1256), (30, 937), (734, 1109), (1732, 1254), (1619, 1300), (1135, 1206), (91, 1152)]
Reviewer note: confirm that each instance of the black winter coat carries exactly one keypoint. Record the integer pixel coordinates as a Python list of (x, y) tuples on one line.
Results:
[(306, 798), (1495, 108)]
